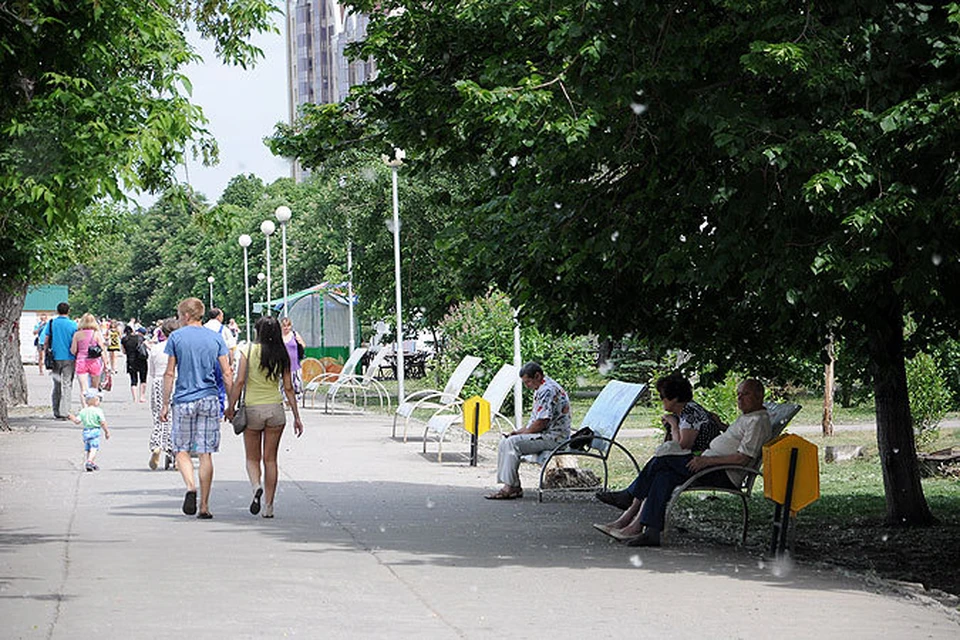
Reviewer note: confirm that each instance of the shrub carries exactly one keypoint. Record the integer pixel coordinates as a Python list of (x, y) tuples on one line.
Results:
[(483, 327), (929, 398), (721, 398)]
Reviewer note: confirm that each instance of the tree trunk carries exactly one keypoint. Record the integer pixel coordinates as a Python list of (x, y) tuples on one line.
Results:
[(827, 420), (906, 504), (13, 390)]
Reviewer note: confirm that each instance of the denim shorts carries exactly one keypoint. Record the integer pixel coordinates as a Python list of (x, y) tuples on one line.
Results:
[(196, 426), (91, 439)]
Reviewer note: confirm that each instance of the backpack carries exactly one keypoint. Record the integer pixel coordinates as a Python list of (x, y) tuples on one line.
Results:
[(142, 348)]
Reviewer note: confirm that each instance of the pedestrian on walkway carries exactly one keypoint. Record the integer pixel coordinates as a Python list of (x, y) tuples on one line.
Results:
[(194, 353), (38, 341), (136, 352), (113, 344), (549, 425), (88, 348), (59, 338), (160, 443), (263, 366), (93, 421), (215, 323), (295, 348)]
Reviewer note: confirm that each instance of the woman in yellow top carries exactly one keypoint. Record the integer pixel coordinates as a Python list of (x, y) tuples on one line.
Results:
[(262, 366)]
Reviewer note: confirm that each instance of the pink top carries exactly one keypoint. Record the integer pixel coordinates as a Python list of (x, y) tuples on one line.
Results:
[(84, 342)]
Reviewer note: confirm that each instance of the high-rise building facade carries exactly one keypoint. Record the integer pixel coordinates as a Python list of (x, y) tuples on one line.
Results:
[(318, 31)]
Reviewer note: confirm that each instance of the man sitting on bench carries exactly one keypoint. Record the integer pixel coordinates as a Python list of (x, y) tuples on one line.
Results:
[(643, 520)]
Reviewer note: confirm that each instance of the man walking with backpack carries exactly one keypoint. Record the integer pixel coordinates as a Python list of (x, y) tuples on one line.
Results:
[(59, 337)]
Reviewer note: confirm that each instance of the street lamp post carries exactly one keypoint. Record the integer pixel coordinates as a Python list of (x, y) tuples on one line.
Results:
[(283, 215), (267, 228), (210, 282), (395, 163), (245, 241), (343, 183)]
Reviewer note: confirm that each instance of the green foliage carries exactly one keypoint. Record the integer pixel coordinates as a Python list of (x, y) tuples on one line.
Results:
[(929, 397), (94, 102), (483, 327), (738, 180), (721, 398)]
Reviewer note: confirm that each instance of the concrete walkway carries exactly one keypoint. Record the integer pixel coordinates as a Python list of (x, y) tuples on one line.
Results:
[(371, 540)]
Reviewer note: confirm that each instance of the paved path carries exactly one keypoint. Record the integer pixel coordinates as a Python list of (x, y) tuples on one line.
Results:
[(370, 540)]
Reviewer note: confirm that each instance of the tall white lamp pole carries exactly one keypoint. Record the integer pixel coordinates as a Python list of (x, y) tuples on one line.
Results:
[(395, 163), (517, 384), (353, 340), (267, 228), (245, 241), (210, 282), (283, 215)]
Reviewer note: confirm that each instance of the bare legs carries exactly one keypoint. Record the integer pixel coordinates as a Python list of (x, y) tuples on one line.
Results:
[(185, 465), (262, 446), (628, 524)]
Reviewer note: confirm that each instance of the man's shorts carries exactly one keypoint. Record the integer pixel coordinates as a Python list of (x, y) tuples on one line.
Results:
[(91, 439), (196, 426), (261, 416)]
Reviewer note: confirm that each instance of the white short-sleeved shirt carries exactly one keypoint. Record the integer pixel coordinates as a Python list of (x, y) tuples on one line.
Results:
[(746, 435)]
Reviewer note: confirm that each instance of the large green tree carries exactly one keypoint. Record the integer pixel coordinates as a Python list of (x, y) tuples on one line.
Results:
[(737, 178), (93, 100)]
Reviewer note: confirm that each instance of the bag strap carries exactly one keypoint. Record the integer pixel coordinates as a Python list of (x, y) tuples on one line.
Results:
[(243, 392)]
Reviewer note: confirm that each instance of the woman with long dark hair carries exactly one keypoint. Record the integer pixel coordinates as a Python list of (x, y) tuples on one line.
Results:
[(263, 365)]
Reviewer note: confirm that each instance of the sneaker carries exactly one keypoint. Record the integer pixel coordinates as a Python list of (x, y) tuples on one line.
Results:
[(267, 511), (90, 466), (155, 459)]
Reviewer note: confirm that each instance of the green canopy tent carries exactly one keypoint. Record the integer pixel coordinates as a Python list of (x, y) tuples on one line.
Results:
[(321, 315)]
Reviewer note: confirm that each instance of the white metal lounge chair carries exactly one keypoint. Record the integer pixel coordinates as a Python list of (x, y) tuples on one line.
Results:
[(452, 415), (359, 387), (431, 399), (312, 386), (604, 418), (780, 417)]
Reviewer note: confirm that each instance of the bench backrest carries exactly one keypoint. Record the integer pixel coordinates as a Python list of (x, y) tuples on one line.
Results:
[(780, 416), (609, 409), (351, 364), (373, 368), (460, 376), (502, 384)]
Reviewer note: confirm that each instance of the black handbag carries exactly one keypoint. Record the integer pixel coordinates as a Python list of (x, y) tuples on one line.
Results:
[(48, 362), (94, 351), (582, 439)]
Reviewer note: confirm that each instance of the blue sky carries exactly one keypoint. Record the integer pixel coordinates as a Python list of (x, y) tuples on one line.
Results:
[(243, 106)]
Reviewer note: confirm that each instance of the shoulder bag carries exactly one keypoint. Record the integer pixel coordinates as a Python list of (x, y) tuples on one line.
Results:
[(94, 350), (49, 363), (240, 415)]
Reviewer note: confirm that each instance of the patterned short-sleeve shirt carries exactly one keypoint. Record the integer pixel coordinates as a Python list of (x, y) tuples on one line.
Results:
[(551, 403), (693, 416)]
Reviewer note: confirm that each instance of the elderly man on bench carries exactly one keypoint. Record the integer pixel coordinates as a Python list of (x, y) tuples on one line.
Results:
[(643, 520)]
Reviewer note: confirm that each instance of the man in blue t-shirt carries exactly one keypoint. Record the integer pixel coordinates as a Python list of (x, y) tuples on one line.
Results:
[(59, 337), (195, 353)]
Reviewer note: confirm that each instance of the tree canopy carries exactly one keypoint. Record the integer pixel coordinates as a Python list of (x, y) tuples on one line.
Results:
[(93, 103), (738, 178)]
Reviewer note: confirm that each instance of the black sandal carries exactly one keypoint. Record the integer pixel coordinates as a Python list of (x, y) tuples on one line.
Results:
[(255, 505), (190, 503)]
